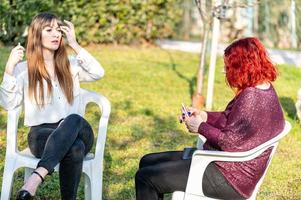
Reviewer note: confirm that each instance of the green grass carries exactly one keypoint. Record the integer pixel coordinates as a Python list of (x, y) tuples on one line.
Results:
[(146, 87)]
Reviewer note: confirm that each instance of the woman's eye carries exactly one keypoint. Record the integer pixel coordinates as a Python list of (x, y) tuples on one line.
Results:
[(48, 30)]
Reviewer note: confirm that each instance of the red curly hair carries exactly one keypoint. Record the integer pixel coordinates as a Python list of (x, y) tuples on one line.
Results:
[(247, 64)]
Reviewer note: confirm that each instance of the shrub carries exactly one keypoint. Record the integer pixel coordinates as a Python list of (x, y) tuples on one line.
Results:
[(106, 21)]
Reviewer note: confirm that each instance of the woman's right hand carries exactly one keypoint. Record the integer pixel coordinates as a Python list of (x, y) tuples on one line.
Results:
[(16, 55), (195, 111)]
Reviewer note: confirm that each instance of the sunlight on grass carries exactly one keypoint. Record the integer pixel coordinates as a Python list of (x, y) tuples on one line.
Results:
[(146, 87)]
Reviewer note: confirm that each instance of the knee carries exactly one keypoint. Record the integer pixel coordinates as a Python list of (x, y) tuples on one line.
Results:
[(77, 152), (146, 160), (146, 177), (74, 118), (140, 175)]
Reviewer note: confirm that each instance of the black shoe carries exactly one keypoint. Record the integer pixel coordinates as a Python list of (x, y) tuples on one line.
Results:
[(24, 195)]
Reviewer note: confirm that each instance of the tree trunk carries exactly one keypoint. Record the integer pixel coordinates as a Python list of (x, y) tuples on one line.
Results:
[(213, 53), (186, 20), (197, 99)]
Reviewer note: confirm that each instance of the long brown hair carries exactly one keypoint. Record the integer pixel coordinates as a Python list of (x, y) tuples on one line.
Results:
[(36, 66)]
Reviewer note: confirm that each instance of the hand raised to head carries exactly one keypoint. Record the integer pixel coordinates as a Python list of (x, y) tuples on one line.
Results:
[(69, 31)]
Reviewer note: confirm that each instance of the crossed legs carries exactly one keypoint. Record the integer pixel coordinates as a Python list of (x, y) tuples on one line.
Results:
[(66, 143)]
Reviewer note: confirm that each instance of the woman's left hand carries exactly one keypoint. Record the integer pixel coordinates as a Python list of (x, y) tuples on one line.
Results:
[(70, 33), (193, 122)]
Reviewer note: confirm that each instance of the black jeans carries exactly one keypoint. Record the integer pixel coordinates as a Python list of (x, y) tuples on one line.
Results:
[(66, 143), (166, 172)]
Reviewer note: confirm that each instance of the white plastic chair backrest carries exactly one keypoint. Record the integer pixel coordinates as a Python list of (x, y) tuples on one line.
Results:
[(284, 132), (104, 104)]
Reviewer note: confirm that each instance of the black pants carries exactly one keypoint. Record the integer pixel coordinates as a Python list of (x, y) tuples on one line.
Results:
[(166, 172), (66, 143)]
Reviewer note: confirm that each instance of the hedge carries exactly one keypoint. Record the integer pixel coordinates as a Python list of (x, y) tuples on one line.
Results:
[(96, 21)]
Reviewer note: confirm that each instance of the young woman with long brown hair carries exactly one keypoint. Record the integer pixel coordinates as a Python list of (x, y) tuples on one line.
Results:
[(47, 85)]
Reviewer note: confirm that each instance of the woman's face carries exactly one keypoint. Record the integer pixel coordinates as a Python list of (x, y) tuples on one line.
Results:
[(51, 36)]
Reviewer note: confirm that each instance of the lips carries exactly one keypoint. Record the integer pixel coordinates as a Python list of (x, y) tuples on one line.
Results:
[(55, 42)]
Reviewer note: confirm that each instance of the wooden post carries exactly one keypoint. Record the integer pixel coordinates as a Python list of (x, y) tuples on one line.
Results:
[(213, 52)]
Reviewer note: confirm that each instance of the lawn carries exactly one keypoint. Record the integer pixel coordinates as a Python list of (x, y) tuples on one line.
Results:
[(146, 87)]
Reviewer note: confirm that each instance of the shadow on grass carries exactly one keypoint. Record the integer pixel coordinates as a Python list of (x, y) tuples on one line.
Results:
[(107, 172), (289, 107), (190, 81), (164, 130)]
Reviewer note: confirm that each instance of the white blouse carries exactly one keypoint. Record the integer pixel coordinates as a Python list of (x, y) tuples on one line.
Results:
[(14, 91)]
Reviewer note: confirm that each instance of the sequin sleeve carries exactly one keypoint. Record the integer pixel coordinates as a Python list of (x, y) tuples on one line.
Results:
[(213, 118), (245, 123)]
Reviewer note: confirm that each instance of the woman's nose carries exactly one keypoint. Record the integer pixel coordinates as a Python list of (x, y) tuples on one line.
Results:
[(56, 34)]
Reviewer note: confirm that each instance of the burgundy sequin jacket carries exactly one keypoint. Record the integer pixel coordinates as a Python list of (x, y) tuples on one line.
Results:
[(250, 119)]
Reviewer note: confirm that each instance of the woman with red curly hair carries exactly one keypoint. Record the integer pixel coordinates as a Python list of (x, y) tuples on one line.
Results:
[(253, 117), (248, 65)]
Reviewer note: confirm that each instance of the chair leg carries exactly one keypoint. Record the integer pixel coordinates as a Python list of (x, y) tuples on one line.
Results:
[(87, 187), (27, 173), (96, 186), (7, 181), (93, 186)]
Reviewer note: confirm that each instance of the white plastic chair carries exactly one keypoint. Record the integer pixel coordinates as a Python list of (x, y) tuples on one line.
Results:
[(202, 158), (92, 166)]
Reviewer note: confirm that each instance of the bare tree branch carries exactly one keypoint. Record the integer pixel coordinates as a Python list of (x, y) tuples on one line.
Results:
[(201, 5)]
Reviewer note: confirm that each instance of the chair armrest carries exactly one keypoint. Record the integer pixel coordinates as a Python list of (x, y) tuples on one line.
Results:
[(105, 107)]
